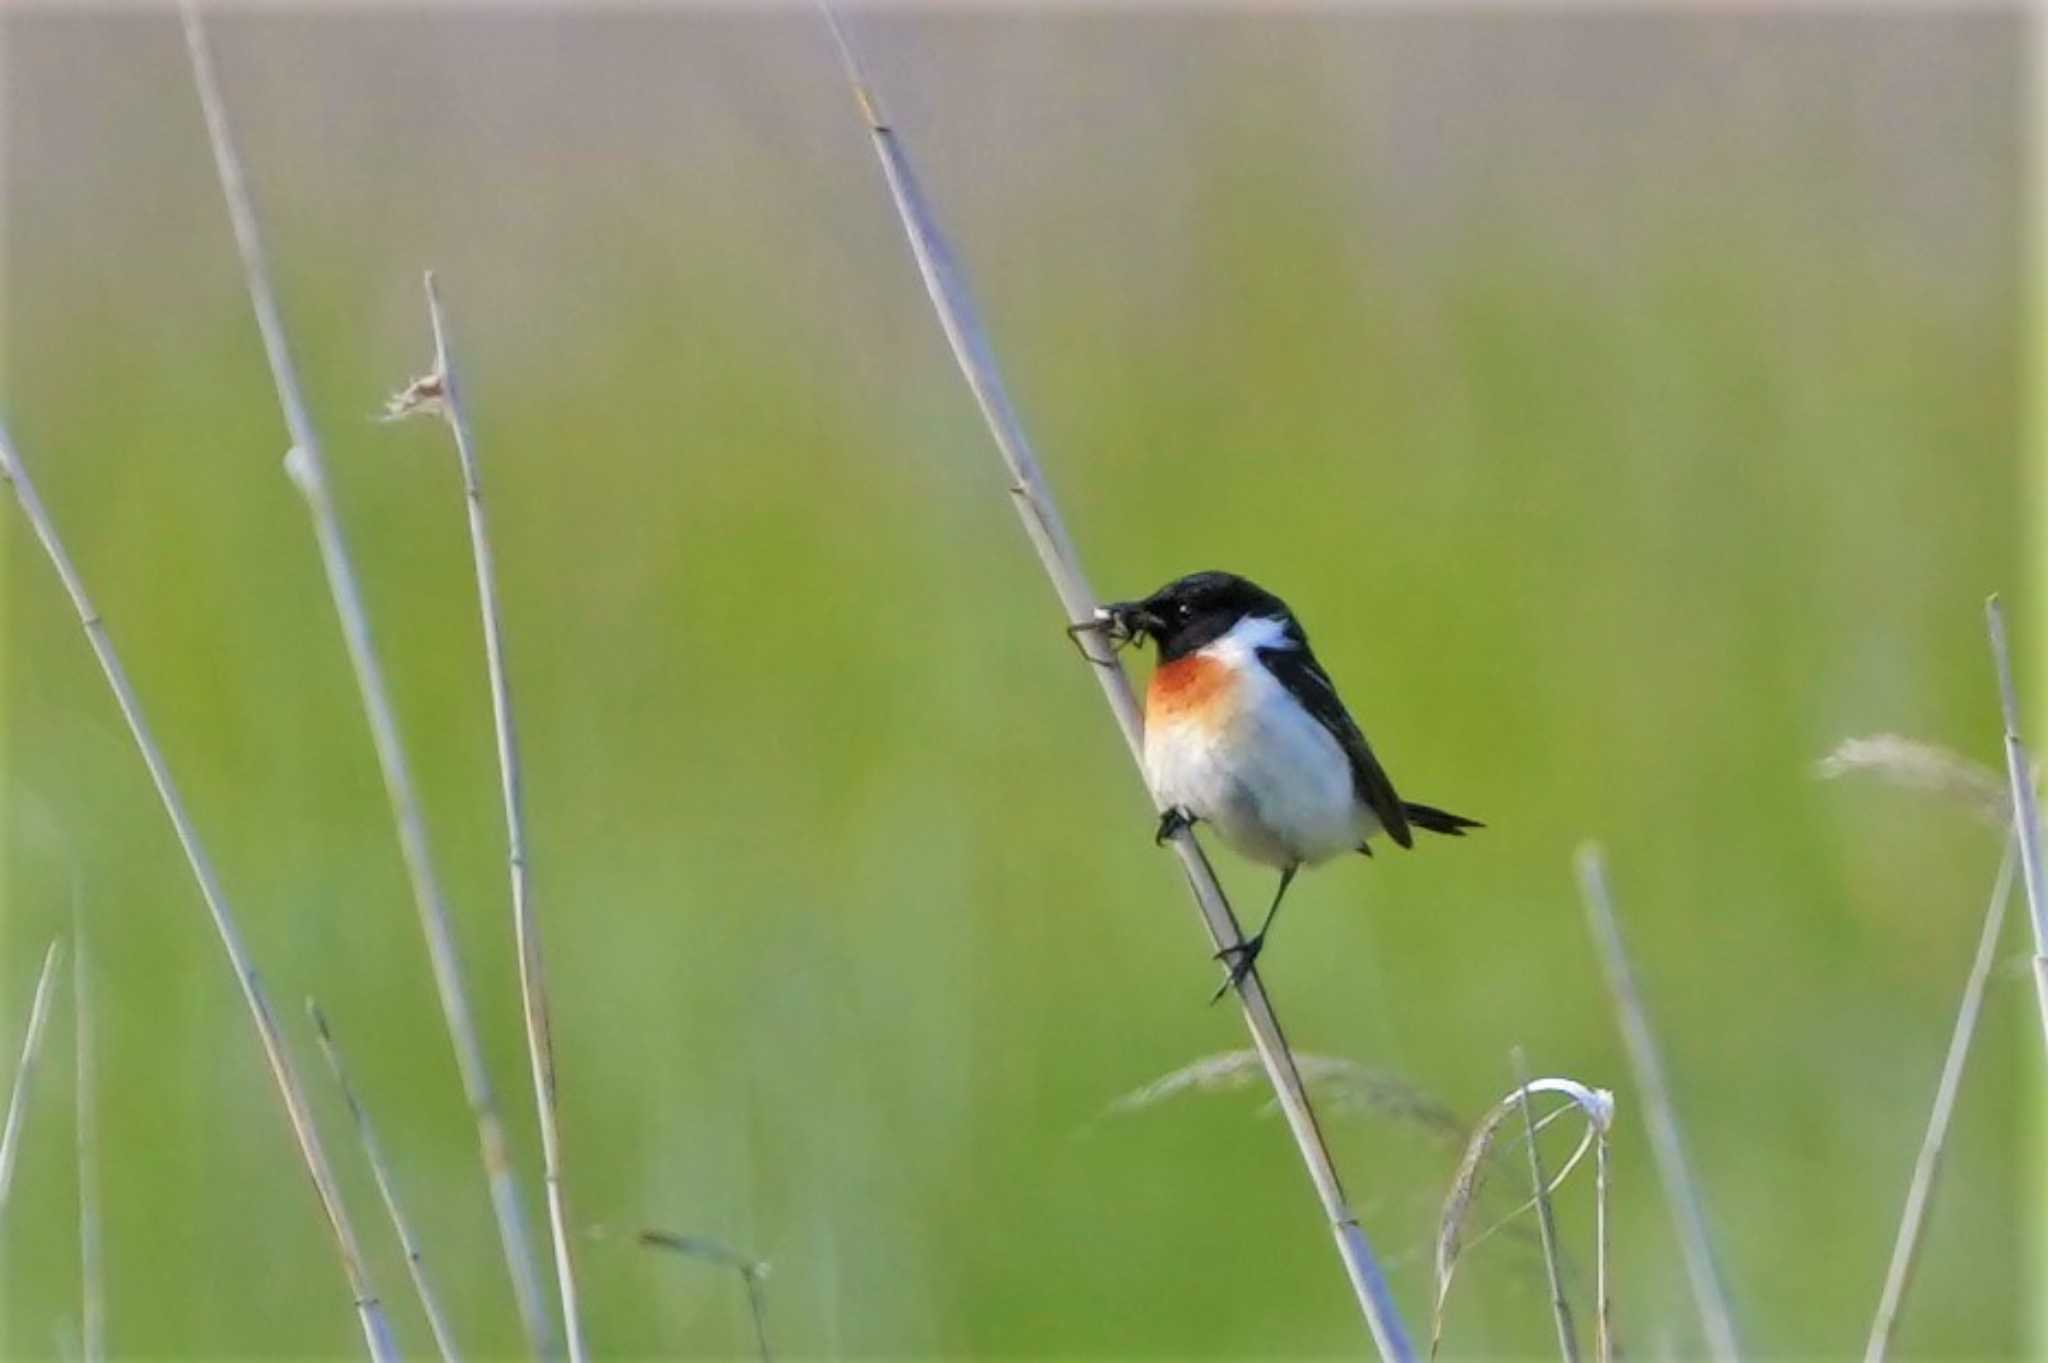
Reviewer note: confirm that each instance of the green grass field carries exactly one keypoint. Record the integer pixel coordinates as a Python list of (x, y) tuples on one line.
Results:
[(1630, 407)]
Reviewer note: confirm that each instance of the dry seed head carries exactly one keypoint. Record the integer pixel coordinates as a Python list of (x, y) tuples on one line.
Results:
[(1349, 1087), (1915, 765), (424, 396), (1596, 1105)]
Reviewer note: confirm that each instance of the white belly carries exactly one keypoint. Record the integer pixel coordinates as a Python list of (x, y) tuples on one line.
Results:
[(1270, 780)]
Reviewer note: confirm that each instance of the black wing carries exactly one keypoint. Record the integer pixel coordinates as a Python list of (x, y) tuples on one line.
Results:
[(1298, 671)]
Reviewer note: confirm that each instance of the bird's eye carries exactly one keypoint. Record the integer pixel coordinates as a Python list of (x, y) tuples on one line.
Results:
[(1184, 610)]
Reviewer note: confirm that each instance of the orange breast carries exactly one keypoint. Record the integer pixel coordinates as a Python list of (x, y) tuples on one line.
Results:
[(1191, 690)]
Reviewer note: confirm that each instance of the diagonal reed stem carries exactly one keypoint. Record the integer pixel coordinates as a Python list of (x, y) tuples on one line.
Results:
[(1927, 1167), (308, 473), (1660, 1116), (2019, 769), (376, 1332), (1035, 507), (387, 1189), (25, 1069), (540, 1044)]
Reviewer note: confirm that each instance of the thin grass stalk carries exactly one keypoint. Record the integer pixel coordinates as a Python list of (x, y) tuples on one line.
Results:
[(1596, 1106), (1034, 504), (532, 971), (376, 1331), (92, 1287), (1927, 1167), (2019, 770), (1603, 1298), (25, 1070), (387, 1188), (1710, 1297), (308, 473), (1546, 1222)]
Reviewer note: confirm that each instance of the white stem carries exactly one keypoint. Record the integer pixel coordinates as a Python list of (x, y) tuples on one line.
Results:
[(1660, 1116), (308, 472), (1034, 504), (376, 1332), (526, 926), (1927, 1167)]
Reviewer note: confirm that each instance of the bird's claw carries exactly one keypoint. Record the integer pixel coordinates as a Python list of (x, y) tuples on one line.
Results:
[(1171, 822), (1241, 956)]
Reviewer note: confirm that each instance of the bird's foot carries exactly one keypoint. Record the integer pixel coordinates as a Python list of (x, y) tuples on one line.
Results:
[(1172, 822), (1241, 958)]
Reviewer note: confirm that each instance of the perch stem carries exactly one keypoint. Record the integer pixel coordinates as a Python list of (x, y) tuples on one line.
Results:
[(1032, 499)]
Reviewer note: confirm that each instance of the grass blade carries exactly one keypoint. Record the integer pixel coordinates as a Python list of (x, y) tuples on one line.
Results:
[(415, 1262), (1034, 504), (308, 473), (1660, 1117), (1927, 1167), (25, 1068)]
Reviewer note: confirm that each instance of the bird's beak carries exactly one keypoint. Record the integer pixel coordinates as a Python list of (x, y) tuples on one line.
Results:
[(1133, 619), (1128, 620)]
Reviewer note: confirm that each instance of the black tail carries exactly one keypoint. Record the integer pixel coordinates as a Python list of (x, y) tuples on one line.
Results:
[(1437, 820)]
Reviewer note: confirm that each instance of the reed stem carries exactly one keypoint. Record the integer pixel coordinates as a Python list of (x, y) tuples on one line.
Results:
[(1710, 1298), (308, 472), (1033, 502), (370, 1314)]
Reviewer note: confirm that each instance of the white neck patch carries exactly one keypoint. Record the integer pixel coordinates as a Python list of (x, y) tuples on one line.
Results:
[(1243, 640)]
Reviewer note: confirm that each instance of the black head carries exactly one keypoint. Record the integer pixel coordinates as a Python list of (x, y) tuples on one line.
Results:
[(1194, 610)]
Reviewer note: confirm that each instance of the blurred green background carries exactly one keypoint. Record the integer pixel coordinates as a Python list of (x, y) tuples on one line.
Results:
[(1629, 404)]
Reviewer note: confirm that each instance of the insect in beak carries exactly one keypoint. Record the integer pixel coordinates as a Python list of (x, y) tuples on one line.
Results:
[(1114, 625)]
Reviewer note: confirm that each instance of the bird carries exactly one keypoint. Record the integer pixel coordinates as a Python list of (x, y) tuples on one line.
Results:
[(1244, 732)]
